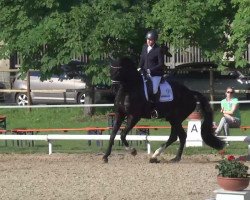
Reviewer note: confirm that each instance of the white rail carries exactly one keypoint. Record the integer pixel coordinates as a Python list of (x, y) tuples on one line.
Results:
[(52, 137), (59, 106), (85, 105)]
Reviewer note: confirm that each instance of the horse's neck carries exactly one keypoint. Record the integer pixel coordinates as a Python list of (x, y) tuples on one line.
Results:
[(134, 90), (135, 83)]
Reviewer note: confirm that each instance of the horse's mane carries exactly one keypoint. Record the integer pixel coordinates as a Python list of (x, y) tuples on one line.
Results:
[(131, 72), (126, 62)]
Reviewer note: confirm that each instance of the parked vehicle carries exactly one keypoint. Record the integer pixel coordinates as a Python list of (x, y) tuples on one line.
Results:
[(70, 79), (199, 79), (2, 86), (74, 89)]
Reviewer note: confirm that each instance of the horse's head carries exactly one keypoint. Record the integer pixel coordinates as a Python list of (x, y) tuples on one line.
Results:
[(121, 70)]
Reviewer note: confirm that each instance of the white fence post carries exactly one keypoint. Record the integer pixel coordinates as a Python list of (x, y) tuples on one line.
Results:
[(149, 147), (50, 147)]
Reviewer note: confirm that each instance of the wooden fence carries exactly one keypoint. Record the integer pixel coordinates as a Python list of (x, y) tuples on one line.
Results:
[(192, 54)]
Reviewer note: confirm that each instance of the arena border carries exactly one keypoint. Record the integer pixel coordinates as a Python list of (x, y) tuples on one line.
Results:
[(54, 137)]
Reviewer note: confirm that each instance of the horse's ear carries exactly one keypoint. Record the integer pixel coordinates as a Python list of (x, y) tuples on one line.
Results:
[(111, 57), (112, 60), (165, 50)]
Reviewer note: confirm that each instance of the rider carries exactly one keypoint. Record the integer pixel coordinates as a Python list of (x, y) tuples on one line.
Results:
[(151, 63)]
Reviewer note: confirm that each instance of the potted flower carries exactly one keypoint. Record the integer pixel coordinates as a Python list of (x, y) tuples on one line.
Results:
[(196, 114), (233, 173)]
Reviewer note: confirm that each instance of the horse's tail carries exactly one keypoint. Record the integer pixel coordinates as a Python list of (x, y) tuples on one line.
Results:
[(207, 126)]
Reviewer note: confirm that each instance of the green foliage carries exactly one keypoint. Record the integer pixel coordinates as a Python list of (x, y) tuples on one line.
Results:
[(241, 30), (49, 33), (232, 168), (217, 26), (52, 32)]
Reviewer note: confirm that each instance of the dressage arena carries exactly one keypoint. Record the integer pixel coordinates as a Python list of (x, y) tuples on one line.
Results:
[(84, 176)]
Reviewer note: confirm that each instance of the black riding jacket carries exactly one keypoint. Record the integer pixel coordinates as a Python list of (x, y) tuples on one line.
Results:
[(154, 60)]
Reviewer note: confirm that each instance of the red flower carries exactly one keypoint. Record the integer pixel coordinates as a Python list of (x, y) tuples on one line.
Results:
[(242, 158), (231, 157)]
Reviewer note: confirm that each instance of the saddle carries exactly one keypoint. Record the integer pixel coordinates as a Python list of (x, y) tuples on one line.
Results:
[(164, 93)]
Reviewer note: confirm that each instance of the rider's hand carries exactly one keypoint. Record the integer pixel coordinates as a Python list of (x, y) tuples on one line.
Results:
[(141, 70), (148, 72)]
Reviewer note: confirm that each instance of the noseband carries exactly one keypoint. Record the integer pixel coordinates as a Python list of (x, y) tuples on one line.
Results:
[(115, 67), (115, 82)]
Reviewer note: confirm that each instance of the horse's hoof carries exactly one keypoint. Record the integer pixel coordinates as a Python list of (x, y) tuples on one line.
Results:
[(133, 152), (175, 160), (153, 160), (105, 159)]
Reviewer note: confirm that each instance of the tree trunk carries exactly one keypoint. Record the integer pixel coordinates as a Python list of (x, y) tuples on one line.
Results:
[(89, 99), (211, 87)]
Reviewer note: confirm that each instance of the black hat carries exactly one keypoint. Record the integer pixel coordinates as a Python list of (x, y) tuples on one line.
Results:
[(152, 35)]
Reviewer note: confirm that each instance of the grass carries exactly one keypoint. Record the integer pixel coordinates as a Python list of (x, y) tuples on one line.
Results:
[(73, 118)]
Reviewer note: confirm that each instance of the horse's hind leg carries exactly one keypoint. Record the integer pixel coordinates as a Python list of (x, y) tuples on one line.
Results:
[(118, 121), (182, 136), (172, 138), (131, 122), (176, 131)]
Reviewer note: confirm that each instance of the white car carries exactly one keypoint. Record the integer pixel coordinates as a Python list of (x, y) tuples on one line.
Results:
[(69, 82), (2, 86)]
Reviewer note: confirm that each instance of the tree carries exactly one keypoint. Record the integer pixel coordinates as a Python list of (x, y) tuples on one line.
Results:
[(50, 33), (217, 26), (241, 29)]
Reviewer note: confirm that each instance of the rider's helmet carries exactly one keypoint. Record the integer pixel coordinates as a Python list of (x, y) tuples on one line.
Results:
[(152, 35)]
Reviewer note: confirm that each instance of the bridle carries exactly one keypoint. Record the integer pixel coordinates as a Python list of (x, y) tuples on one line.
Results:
[(115, 67), (113, 81)]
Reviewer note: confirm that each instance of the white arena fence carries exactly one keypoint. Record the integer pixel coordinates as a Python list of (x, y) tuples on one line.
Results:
[(59, 106), (83, 105), (52, 137)]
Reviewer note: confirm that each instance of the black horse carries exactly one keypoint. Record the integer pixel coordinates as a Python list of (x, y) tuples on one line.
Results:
[(131, 103)]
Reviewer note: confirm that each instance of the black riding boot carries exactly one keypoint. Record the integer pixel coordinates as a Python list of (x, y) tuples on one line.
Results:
[(154, 99)]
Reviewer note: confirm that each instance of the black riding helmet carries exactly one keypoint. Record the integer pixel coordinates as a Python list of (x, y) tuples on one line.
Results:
[(152, 35)]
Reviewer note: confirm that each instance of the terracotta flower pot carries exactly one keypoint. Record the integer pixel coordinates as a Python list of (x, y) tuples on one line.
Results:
[(195, 115), (233, 184)]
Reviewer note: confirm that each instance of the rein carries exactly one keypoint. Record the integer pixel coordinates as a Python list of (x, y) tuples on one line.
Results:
[(115, 67)]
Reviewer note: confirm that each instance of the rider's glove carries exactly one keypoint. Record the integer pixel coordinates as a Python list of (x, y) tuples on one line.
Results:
[(141, 70), (148, 72)]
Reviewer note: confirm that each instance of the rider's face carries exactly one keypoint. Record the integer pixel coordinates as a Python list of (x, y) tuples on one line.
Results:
[(150, 42)]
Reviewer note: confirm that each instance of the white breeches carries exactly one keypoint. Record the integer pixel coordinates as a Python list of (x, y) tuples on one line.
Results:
[(155, 81)]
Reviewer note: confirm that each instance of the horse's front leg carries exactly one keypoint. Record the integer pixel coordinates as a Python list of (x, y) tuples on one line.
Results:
[(131, 122), (118, 122)]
